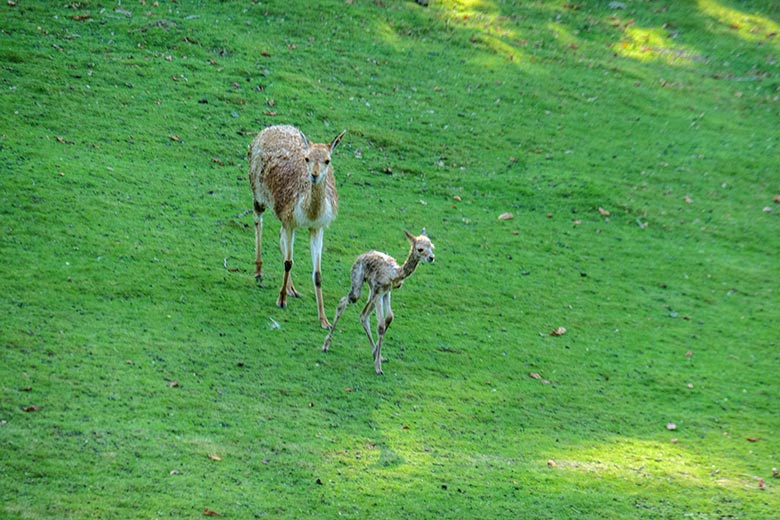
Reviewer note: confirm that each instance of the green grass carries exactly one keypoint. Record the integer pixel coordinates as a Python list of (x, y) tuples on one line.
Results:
[(124, 194)]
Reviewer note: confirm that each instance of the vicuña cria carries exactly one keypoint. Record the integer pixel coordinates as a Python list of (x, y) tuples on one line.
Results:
[(382, 274), (295, 178)]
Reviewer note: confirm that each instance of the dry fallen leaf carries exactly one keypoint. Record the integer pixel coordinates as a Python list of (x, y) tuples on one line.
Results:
[(457, 197), (209, 512), (753, 439), (214, 456), (688, 354), (31, 408), (775, 473), (506, 216), (603, 212), (560, 331), (173, 384), (552, 464), (671, 426), (777, 199), (175, 138), (688, 199), (534, 375)]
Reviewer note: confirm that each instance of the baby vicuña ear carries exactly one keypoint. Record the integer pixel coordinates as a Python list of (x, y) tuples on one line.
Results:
[(409, 236), (424, 233)]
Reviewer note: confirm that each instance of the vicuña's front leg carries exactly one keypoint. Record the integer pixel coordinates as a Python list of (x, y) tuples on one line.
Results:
[(286, 239), (316, 259), (365, 319), (384, 316)]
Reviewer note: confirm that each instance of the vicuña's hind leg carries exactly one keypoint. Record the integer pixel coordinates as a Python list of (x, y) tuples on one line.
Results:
[(343, 303), (258, 211)]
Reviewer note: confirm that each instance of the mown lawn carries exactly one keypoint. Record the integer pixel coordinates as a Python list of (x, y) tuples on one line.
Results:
[(630, 148)]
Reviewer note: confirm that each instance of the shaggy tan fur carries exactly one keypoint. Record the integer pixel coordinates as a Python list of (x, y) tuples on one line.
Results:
[(382, 274), (295, 179)]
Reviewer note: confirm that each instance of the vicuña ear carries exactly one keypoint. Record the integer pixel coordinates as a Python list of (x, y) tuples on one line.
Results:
[(424, 233), (409, 236), (305, 141), (337, 140)]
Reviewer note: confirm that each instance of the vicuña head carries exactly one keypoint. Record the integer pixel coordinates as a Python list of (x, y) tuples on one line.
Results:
[(422, 247), (317, 158)]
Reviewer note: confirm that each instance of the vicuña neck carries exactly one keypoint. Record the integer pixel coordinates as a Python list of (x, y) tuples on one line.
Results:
[(409, 266)]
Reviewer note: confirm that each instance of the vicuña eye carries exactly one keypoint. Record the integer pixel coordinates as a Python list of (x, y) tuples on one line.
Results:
[(306, 159), (327, 161), (419, 249)]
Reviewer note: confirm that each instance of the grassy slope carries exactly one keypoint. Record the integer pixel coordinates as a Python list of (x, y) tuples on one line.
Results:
[(114, 236)]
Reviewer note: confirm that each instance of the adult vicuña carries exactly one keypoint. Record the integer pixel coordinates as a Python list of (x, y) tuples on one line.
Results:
[(295, 178), (382, 274)]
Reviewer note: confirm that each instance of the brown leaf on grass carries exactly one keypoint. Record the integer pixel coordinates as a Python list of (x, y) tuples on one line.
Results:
[(560, 331), (761, 484), (174, 384), (671, 426), (506, 216), (688, 199), (534, 375), (688, 354), (31, 408), (349, 389), (175, 138), (269, 113), (215, 457), (775, 473), (552, 464), (777, 199), (753, 439), (209, 512), (405, 427), (457, 198), (603, 212)]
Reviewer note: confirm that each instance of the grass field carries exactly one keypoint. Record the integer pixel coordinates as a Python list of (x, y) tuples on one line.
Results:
[(144, 374)]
